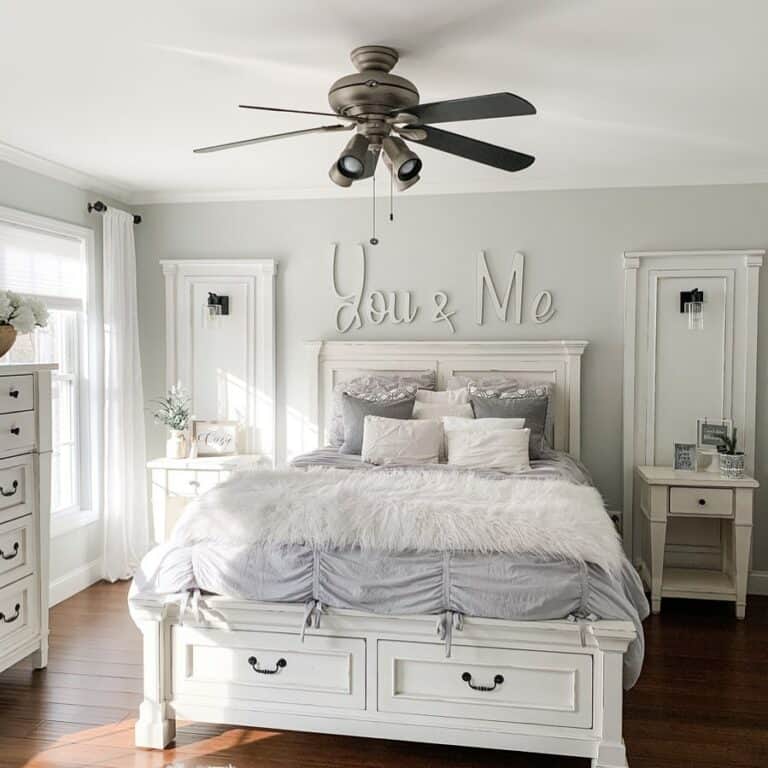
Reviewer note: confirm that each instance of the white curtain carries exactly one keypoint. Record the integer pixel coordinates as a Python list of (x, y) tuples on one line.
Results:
[(126, 517)]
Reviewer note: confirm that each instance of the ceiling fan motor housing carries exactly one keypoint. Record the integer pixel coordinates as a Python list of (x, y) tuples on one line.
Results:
[(372, 91)]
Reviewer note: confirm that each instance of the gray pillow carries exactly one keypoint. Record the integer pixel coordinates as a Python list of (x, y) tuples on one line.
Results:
[(532, 409), (377, 386), (355, 409)]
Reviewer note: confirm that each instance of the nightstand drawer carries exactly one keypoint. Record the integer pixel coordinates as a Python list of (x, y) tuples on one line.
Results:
[(701, 502), (17, 393)]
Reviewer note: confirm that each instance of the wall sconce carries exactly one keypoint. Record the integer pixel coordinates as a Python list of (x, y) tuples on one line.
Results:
[(215, 308), (692, 304)]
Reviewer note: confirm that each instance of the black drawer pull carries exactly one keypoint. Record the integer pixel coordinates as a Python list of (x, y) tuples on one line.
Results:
[(3, 556), (702, 502), (497, 680), (15, 430), (7, 620), (254, 662), (14, 486), (13, 393)]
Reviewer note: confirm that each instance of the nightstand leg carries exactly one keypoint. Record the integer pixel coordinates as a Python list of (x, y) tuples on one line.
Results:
[(658, 542), (741, 543)]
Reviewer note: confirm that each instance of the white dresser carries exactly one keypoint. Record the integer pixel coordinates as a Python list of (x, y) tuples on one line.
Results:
[(175, 482), (25, 500)]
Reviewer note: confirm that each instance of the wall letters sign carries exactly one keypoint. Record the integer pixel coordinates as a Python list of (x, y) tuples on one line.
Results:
[(399, 307)]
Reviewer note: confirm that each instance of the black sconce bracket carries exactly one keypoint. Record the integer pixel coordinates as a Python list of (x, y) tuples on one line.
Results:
[(686, 297), (214, 300)]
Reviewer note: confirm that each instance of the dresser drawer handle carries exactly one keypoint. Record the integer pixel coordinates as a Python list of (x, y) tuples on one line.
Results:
[(497, 680), (254, 662), (15, 430), (3, 556), (14, 393), (14, 487), (11, 619), (702, 502)]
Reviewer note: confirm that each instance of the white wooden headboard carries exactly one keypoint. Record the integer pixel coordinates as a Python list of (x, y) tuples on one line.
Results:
[(558, 362)]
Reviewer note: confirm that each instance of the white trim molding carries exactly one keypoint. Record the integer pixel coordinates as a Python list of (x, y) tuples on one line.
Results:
[(53, 170), (643, 271), (758, 583), (75, 581), (258, 275)]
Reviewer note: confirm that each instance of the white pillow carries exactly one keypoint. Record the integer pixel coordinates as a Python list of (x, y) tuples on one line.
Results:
[(401, 441), (450, 423), (444, 397), (422, 410), (502, 449)]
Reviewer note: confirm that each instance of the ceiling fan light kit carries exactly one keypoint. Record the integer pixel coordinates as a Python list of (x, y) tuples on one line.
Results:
[(383, 109)]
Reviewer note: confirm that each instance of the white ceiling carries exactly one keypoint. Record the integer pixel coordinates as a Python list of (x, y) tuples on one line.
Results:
[(629, 92)]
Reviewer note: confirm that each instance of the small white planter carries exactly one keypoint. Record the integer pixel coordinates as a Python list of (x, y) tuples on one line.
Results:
[(732, 465), (176, 445)]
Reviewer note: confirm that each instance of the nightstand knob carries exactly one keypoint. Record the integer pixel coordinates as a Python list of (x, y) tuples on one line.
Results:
[(702, 502)]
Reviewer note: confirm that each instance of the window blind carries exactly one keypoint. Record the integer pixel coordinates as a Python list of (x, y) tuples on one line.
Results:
[(42, 264)]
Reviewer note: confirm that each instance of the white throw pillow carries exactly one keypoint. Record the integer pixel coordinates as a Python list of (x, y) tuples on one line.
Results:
[(455, 396), (502, 449), (401, 441), (437, 411), (450, 423)]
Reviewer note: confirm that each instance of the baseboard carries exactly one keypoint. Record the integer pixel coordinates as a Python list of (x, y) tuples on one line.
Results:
[(76, 581), (758, 583)]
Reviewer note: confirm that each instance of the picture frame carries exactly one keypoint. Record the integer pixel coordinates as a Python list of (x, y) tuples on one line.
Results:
[(709, 433), (684, 457), (215, 438)]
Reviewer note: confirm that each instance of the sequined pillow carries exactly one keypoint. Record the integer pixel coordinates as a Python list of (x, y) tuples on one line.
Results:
[(378, 387)]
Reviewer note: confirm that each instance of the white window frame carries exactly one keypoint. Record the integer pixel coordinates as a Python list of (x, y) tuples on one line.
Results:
[(89, 387)]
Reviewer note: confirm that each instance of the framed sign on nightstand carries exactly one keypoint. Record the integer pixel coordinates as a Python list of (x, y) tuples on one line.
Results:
[(215, 438), (685, 457)]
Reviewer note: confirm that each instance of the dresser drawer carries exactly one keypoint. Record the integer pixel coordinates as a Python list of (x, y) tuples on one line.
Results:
[(701, 502), (235, 668), (17, 393), (16, 487), (19, 612), (190, 483), (522, 686), (17, 549), (17, 432)]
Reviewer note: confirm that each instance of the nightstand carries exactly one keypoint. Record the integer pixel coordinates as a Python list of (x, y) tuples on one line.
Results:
[(175, 482), (665, 493)]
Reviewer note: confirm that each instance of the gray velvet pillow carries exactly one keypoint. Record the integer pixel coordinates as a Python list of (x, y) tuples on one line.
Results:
[(355, 409), (532, 409)]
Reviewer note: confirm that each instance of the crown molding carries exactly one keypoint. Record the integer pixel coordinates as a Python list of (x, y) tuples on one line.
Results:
[(37, 164)]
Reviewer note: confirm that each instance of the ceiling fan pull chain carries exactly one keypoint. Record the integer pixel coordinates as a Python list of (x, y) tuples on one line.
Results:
[(391, 197), (374, 240)]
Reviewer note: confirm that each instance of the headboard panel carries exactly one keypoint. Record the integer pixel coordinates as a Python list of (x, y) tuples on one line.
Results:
[(558, 362)]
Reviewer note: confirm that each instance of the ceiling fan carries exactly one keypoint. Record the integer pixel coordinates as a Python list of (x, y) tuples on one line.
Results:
[(383, 109)]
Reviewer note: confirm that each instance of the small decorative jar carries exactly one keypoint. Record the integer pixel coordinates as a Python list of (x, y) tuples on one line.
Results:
[(7, 338), (176, 445), (732, 465)]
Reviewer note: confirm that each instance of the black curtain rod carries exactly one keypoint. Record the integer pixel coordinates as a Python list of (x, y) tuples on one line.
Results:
[(99, 207)]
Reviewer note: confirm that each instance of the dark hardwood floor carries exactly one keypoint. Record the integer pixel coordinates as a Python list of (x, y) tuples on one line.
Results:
[(702, 702)]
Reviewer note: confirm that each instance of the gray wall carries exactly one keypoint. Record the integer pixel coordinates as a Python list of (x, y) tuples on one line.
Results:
[(27, 191), (573, 241)]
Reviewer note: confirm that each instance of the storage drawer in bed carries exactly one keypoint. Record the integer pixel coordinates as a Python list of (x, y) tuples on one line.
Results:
[(501, 684), (235, 668)]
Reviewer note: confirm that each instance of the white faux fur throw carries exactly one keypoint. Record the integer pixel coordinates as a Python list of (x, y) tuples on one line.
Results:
[(406, 510)]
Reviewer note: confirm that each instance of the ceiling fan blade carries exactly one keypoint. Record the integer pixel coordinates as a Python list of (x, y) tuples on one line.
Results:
[(294, 111), (371, 161), (272, 137), (473, 149), (473, 108)]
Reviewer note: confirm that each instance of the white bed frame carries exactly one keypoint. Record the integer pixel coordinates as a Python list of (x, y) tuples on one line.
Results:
[(362, 674)]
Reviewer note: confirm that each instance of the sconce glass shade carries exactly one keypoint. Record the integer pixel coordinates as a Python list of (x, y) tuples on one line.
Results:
[(695, 312), (212, 314)]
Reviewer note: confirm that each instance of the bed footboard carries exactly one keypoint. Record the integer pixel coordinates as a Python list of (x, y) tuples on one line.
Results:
[(537, 686)]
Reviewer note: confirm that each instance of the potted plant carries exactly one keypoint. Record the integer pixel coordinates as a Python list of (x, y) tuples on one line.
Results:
[(731, 460), (173, 411), (19, 314)]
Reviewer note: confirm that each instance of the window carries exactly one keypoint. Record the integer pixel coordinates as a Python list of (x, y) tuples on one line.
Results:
[(48, 259)]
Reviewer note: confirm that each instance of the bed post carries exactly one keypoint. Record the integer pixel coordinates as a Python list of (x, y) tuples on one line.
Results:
[(156, 726), (609, 691)]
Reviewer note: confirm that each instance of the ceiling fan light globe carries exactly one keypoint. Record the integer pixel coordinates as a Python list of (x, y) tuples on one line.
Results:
[(409, 169), (338, 178), (350, 167), (351, 162)]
